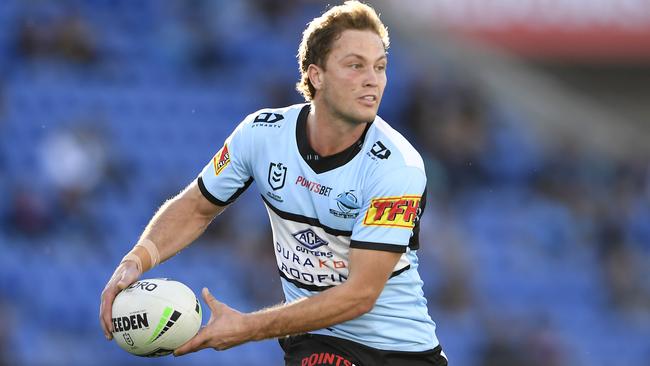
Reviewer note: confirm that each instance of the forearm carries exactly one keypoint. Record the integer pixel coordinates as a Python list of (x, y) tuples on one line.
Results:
[(176, 224), (333, 306)]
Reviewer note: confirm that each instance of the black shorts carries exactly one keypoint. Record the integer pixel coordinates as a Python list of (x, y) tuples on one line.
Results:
[(315, 350)]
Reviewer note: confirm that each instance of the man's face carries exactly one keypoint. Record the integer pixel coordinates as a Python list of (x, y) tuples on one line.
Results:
[(354, 77)]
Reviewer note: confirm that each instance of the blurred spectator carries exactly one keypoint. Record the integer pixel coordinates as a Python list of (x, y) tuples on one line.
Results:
[(29, 213), (502, 346), (449, 121), (75, 160), (445, 246), (627, 289), (69, 38), (274, 12), (78, 163), (196, 43), (515, 341), (5, 334), (544, 346)]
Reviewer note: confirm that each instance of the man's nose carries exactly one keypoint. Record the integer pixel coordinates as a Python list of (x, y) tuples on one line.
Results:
[(371, 77)]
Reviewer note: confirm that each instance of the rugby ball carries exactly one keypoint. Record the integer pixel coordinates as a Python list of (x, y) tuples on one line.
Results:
[(153, 317)]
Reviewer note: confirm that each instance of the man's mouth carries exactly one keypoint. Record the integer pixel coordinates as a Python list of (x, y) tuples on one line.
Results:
[(369, 99)]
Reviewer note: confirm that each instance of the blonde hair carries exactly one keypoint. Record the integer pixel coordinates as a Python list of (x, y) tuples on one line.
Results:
[(320, 34)]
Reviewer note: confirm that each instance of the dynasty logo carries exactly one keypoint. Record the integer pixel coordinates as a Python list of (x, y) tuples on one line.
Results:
[(268, 117), (380, 150), (393, 211)]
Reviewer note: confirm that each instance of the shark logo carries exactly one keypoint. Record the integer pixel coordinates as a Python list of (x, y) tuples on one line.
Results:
[(347, 205)]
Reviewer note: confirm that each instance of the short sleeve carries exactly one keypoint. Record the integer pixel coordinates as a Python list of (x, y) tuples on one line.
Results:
[(228, 174), (392, 206)]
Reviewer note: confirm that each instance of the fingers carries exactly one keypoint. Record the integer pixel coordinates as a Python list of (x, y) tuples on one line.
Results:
[(105, 312), (213, 303), (128, 276), (202, 339), (124, 275), (123, 281), (198, 342)]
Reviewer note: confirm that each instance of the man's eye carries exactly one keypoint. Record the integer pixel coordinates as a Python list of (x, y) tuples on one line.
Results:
[(356, 66)]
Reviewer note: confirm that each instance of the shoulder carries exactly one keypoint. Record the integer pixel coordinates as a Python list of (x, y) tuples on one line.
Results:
[(269, 119), (267, 124), (391, 151)]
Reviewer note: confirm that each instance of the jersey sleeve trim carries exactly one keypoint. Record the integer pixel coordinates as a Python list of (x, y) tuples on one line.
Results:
[(378, 246), (209, 195), (217, 201)]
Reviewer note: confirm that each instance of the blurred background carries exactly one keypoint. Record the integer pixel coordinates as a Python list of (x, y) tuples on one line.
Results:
[(532, 117)]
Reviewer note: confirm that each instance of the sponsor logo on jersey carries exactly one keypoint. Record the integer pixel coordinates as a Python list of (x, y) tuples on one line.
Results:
[(393, 211), (313, 187), (315, 253), (324, 270), (221, 160), (379, 150), (347, 205), (277, 175), (326, 358), (309, 239), (268, 117)]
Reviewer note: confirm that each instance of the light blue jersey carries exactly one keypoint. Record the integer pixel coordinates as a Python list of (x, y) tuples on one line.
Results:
[(369, 196)]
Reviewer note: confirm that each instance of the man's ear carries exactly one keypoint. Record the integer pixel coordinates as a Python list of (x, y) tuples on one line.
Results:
[(315, 74)]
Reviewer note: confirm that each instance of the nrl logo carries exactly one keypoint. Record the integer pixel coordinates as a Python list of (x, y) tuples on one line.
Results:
[(277, 175)]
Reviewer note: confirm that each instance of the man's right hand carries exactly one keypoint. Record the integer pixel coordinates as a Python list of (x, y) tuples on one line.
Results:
[(125, 274)]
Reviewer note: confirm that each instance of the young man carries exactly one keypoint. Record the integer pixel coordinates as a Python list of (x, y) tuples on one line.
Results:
[(344, 193)]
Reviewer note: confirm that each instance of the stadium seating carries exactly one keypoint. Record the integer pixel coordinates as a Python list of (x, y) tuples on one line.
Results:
[(160, 121)]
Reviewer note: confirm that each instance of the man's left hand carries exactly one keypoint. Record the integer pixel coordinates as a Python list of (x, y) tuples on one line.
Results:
[(225, 329)]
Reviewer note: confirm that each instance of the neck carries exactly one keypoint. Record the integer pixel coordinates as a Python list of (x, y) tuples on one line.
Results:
[(329, 134)]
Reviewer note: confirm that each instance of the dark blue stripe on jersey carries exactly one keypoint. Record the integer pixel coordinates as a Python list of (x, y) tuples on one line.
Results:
[(219, 202), (323, 288), (400, 271), (306, 220), (302, 285), (395, 248)]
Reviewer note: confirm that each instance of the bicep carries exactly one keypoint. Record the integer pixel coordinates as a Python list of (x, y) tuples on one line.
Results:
[(370, 269), (202, 206)]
